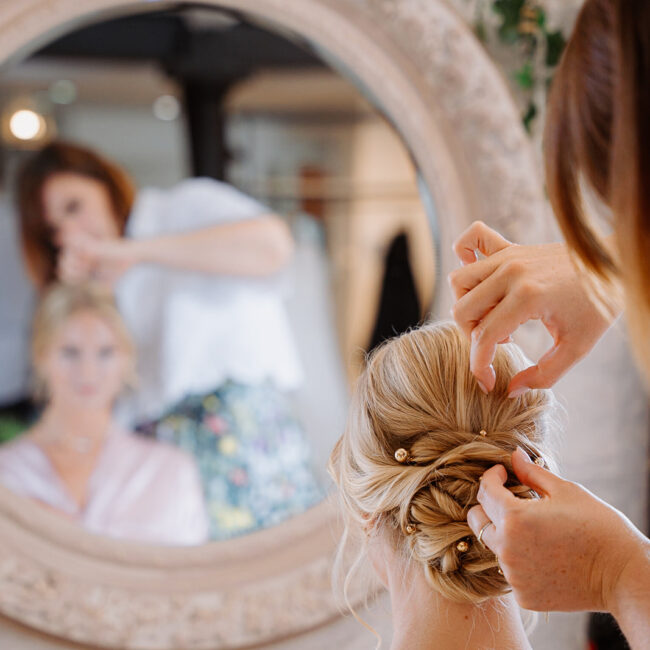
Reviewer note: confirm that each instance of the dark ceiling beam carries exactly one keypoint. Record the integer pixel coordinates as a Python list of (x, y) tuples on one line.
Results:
[(185, 52), (143, 36), (206, 61), (206, 122)]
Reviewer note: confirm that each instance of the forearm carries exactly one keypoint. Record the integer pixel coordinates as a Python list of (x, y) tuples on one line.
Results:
[(631, 606), (255, 247)]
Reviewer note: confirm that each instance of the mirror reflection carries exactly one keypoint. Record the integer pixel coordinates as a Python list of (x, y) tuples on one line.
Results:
[(205, 228)]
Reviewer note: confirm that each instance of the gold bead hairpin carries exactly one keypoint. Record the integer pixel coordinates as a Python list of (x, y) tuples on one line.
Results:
[(463, 546), (401, 455), (482, 433), (410, 529)]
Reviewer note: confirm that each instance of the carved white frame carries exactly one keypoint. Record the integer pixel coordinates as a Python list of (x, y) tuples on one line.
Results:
[(430, 75)]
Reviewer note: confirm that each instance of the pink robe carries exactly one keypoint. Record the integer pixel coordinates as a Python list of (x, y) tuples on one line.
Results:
[(140, 490)]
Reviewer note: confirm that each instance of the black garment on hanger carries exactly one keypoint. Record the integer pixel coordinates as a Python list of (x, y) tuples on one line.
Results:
[(399, 306)]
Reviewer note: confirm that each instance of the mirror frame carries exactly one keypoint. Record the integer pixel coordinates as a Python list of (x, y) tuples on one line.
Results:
[(443, 93)]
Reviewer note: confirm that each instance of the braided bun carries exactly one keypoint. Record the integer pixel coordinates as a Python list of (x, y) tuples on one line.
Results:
[(417, 393)]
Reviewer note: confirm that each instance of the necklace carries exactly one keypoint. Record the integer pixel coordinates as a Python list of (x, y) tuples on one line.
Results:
[(83, 444), (79, 444)]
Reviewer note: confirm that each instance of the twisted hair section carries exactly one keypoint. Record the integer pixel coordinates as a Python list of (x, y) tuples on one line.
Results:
[(417, 393)]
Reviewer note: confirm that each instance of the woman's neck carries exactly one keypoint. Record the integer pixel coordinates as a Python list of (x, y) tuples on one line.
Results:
[(424, 620), (73, 428), (72, 440)]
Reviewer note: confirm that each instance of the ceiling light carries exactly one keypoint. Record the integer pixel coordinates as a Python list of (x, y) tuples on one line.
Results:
[(25, 124), (166, 108)]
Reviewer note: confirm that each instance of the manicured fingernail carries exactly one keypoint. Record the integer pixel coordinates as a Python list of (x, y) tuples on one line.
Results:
[(493, 377), (481, 385), (518, 392), (524, 456)]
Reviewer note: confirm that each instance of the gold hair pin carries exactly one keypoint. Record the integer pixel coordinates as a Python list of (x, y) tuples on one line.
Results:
[(482, 433), (410, 529), (401, 455), (463, 546)]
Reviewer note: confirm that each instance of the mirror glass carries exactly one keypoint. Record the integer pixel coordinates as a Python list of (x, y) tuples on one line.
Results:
[(236, 224)]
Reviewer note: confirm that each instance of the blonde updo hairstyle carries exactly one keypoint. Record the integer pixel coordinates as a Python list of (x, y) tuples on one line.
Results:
[(417, 393), (61, 302)]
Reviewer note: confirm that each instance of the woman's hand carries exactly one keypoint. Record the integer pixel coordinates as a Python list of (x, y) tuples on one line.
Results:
[(567, 550), (515, 284), (86, 258), (73, 267)]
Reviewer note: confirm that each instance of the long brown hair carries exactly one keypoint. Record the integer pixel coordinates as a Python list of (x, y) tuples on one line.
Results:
[(62, 157), (598, 134)]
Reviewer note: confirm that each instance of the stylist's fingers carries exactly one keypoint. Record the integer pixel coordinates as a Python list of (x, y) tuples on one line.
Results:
[(72, 268), (493, 495), (479, 237), (478, 521), (69, 238), (463, 279), (548, 370), (495, 327), (79, 242), (83, 245), (541, 480), (473, 306)]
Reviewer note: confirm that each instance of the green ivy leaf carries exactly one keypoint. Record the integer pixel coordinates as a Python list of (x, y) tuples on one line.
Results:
[(508, 35), (481, 31), (509, 9), (529, 116), (510, 12), (525, 76), (10, 427), (555, 44)]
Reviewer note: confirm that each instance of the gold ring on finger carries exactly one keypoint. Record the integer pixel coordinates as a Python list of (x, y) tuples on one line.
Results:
[(479, 537)]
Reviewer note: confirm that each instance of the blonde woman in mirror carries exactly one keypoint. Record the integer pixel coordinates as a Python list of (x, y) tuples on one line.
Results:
[(198, 271), (75, 459), (420, 434)]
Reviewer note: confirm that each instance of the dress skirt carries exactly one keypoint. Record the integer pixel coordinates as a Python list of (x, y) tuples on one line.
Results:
[(253, 458)]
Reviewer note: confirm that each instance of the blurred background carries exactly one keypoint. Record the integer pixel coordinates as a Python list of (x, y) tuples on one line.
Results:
[(200, 92), (189, 92)]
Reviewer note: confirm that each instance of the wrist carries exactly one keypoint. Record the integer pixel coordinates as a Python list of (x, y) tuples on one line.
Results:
[(136, 251), (629, 590)]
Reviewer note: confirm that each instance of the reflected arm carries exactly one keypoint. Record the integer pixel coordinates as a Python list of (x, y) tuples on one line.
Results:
[(255, 247)]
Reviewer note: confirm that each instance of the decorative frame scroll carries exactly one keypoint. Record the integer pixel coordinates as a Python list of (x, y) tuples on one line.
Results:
[(438, 86)]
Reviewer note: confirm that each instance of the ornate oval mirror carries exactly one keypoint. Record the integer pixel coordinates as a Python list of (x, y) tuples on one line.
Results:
[(325, 154)]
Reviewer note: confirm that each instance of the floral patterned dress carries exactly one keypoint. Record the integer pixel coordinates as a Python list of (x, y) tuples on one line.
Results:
[(251, 452)]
